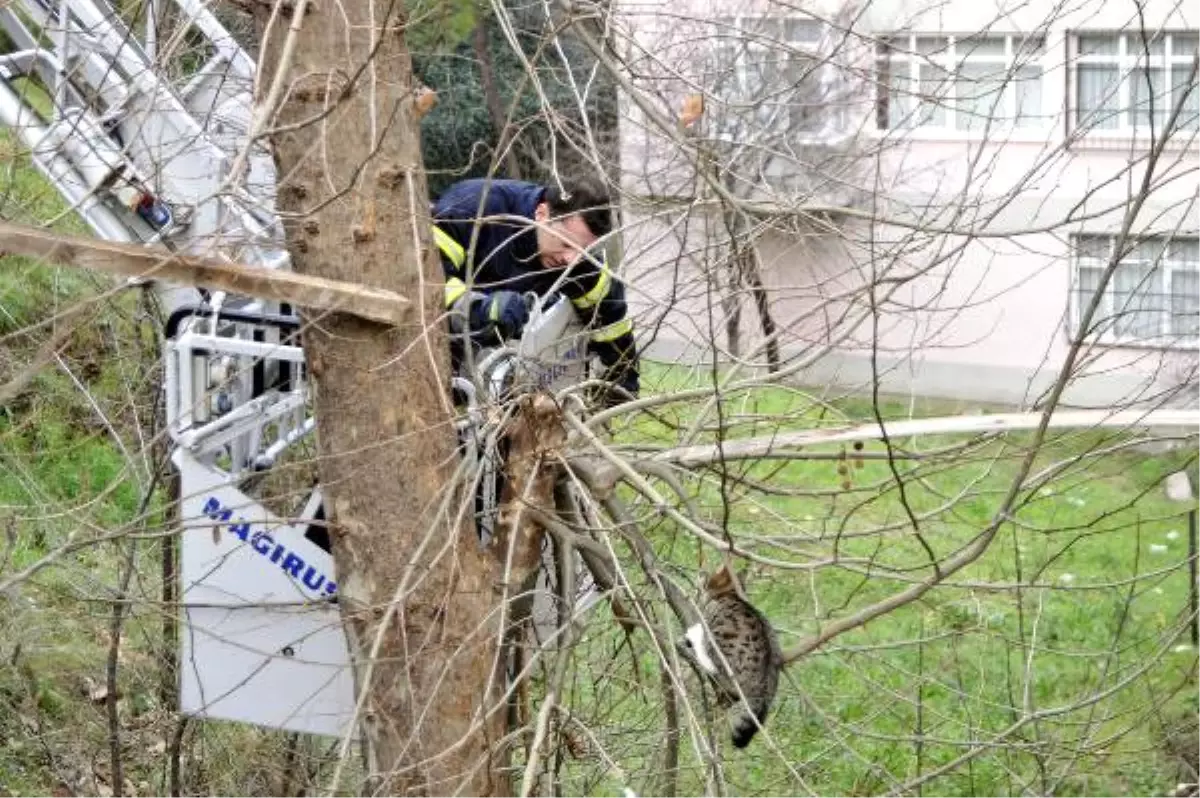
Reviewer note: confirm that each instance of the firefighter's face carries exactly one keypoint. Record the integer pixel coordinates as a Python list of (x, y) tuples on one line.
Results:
[(561, 240)]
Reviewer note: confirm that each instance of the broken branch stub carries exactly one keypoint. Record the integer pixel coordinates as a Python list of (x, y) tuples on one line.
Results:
[(536, 437)]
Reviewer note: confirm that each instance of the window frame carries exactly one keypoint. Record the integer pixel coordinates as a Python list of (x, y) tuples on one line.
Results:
[(831, 120), (1016, 55), (1165, 266), (1126, 63)]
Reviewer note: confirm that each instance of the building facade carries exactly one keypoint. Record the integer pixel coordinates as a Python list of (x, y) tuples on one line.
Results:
[(923, 194)]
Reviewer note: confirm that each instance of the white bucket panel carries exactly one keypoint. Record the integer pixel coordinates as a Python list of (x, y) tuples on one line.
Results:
[(261, 642), (279, 667)]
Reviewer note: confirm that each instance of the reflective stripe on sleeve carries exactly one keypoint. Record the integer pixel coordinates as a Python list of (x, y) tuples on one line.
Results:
[(455, 288), (449, 247), (598, 292), (612, 331)]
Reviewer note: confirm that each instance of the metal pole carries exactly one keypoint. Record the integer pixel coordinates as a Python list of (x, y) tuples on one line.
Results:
[(1194, 586), (64, 59), (150, 45)]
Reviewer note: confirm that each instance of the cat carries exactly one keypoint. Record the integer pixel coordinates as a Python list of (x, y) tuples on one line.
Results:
[(734, 632)]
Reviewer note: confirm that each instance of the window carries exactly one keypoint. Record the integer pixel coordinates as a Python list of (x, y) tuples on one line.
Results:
[(1127, 83), (971, 83), (769, 78), (1153, 296)]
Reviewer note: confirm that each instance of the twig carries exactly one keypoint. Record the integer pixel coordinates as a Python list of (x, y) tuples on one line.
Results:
[(114, 647), (110, 673), (643, 486), (266, 109), (684, 610), (670, 767), (567, 591), (175, 757), (20, 381), (692, 456)]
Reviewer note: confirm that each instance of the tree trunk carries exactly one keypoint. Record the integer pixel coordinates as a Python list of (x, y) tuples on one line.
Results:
[(416, 591), (731, 302), (763, 302), (491, 96)]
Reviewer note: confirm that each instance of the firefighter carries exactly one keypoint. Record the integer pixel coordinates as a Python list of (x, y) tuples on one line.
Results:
[(500, 239)]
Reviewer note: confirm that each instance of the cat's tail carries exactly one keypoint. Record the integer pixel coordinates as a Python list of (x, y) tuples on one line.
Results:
[(746, 725)]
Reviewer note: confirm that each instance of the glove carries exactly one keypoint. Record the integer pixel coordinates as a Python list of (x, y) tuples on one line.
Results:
[(503, 312)]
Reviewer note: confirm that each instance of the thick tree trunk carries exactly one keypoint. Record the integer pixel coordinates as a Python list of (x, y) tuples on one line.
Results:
[(416, 592)]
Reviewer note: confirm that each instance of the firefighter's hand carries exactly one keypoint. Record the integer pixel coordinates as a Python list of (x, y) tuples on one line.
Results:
[(509, 312), (503, 311)]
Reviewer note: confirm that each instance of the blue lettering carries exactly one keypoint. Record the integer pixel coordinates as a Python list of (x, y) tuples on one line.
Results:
[(261, 543), (551, 374), (292, 564), (313, 579)]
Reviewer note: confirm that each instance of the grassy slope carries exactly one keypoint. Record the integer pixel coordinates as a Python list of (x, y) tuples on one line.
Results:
[(64, 474), (61, 475)]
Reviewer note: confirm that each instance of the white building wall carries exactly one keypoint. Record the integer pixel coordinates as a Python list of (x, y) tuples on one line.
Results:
[(987, 318)]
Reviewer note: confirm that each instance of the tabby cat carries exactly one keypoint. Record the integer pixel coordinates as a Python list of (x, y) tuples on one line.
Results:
[(735, 634)]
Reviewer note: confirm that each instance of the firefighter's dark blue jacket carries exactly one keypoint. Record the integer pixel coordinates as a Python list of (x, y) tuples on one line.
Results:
[(505, 257)]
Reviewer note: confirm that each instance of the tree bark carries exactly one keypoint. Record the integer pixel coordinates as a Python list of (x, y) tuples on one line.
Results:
[(763, 303), (491, 96), (416, 591), (731, 301)]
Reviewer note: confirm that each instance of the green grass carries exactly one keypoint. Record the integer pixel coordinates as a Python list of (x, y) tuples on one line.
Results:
[(64, 477), (60, 477), (1099, 606)]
